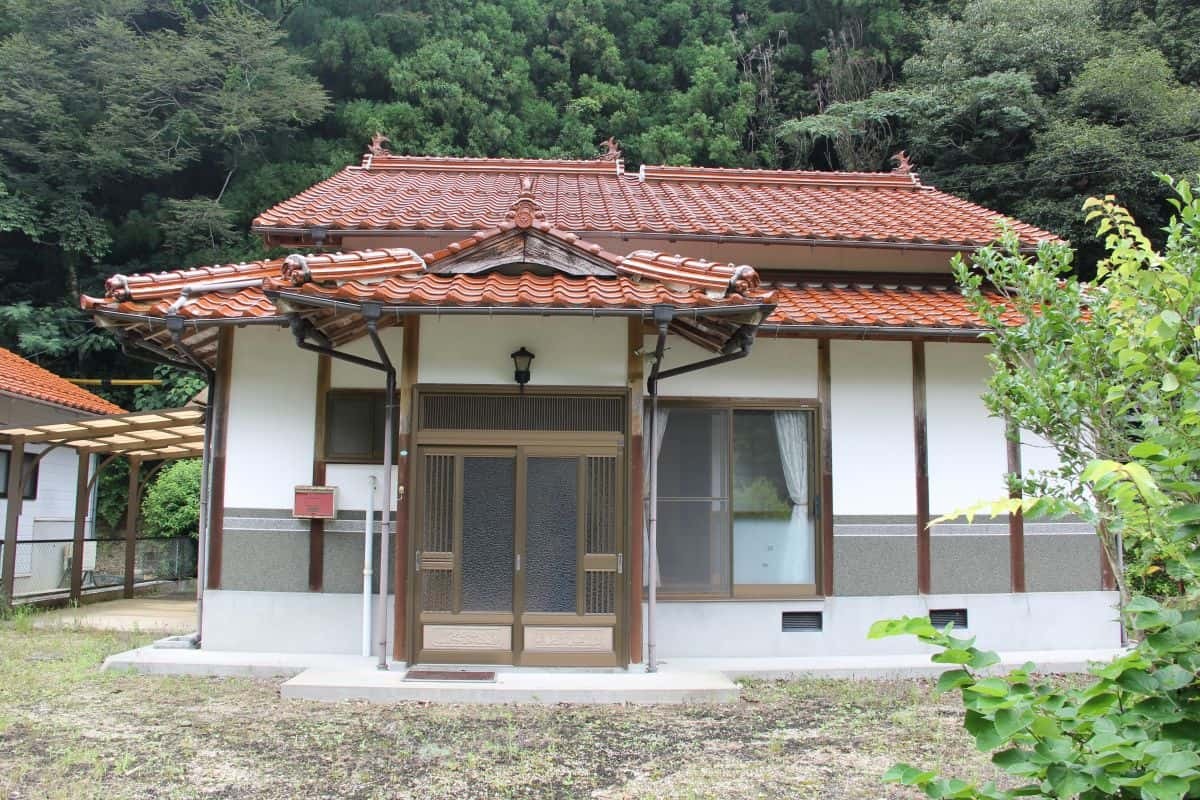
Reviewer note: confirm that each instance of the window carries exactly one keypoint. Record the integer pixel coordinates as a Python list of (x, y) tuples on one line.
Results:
[(735, 510), (354, 422), (30, 484)]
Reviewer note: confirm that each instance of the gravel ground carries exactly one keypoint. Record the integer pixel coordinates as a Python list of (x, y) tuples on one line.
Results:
[(68, 730)]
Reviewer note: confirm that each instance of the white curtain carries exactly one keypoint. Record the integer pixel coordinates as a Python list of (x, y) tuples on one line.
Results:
[(791, 427), (660, 430)]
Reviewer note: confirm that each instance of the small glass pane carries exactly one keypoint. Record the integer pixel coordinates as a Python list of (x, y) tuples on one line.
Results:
[(773, 531), (355, 424), (551, 528), (693, 546), (489, 488), (692, 455)]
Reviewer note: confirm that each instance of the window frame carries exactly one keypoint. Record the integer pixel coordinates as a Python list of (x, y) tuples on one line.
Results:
[(774, 591), (32, 492), (375, 454)]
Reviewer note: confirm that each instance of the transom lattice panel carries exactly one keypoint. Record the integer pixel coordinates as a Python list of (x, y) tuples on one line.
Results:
[(522, 412)]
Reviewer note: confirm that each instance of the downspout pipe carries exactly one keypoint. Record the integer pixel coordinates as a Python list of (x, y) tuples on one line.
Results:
[(663, 314), (371, 313), (368, 564), (175, 327)]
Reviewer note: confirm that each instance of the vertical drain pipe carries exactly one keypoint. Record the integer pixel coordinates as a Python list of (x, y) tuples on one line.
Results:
[(203, 533), (371, 312), (663, 314), (368, 564)]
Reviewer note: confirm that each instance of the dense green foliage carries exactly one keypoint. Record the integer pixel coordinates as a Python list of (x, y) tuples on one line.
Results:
[(1109, 375), (144, 134), (172, 503)]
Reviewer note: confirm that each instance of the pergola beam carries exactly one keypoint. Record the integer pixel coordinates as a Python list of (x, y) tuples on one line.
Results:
[(163, 435)]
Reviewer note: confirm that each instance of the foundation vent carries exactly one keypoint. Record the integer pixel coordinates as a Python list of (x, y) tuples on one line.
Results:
[(798, 621), (944, 616), (522, 412)]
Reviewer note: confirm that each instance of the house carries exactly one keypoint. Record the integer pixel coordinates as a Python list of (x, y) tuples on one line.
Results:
[(492, 348), (30, 395)]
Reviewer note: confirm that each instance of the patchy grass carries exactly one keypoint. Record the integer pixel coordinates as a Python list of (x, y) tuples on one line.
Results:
[(68, 730)]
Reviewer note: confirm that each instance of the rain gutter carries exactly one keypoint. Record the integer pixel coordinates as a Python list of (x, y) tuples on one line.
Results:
[(625, 235)]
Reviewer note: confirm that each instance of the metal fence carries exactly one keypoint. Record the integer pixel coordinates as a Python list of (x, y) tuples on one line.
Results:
[(44, 566)]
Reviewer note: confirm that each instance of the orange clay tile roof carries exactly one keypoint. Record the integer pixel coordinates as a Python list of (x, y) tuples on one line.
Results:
[(526, 290), (388, 192), (26, 379), (399, 277), (863, 301)]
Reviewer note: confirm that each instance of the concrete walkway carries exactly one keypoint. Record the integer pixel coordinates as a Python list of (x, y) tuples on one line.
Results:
[(152, 614), (526, 686)]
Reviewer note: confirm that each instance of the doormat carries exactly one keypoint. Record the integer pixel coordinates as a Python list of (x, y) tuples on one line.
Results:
[(447, 675)]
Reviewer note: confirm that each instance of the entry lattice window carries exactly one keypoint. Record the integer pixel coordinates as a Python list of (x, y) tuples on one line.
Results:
[(600, 535), (437, 537), (522, 412)]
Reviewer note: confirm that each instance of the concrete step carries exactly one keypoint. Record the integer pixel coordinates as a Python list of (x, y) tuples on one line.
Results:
[(544, 687)]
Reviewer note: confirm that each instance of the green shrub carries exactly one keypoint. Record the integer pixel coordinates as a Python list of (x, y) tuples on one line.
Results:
[(1108, 374), (172, 503)]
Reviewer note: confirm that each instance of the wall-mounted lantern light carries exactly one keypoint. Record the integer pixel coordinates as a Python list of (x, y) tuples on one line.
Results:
[(521, 361)]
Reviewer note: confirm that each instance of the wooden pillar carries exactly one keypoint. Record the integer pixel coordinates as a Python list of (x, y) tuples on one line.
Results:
[(15, 488), (219, 395), (132, 512), (921, 451), (637, 383), (824, 398), (406, 465), (316, 535), (1108, 579), (1016, 520), (82, 486)]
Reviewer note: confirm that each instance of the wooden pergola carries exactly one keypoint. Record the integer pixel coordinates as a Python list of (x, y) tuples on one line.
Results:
[(141, 437)]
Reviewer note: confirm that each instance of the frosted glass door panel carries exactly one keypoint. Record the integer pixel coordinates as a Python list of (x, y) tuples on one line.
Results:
[(489, 491)]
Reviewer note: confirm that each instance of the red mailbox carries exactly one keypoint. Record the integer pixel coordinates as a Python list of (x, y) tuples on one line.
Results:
[(314, 502)]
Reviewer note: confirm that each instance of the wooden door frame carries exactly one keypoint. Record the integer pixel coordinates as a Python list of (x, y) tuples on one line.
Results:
[(494, 440)]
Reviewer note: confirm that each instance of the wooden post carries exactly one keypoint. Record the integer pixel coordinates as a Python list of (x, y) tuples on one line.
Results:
[(406, 466), (316, 536), (921, 451), (131, 521), (824, 397), (1016, 520), (220, 418), (82, 486), (637, 383), (16, 493)]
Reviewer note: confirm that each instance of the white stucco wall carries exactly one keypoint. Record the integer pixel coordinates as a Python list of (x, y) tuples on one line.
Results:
[(871, 409), (775, 368), (272, 407), (343, 375), (1037, 621), (967, 448), (567, 351)]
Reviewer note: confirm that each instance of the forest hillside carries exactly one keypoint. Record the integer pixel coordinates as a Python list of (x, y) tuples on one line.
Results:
[(146, 134)]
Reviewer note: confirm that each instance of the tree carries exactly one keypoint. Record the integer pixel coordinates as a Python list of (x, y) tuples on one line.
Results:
[(1109, 374), (172, 504)]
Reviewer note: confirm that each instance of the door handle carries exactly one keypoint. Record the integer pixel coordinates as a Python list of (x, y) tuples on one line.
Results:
[(518, 562), (417, 566), (620, 563)]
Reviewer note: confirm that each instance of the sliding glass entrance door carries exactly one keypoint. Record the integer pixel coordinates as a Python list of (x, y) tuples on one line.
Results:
[(517, 555)]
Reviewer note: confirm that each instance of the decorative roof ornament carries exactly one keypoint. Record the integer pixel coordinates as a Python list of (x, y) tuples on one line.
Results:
[(376, 148), (904, 165), (612, 150), (525, 211)]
